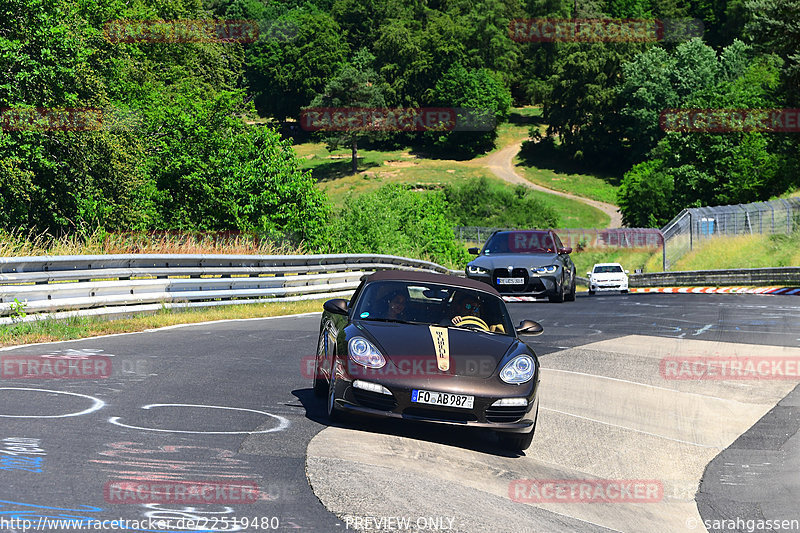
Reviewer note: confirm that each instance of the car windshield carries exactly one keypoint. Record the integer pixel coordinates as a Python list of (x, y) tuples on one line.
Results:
[(519, 242), (433, 304), (607, 269)]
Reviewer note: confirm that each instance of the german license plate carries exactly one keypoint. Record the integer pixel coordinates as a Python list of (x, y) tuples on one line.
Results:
[(510, 281), (442, 398)]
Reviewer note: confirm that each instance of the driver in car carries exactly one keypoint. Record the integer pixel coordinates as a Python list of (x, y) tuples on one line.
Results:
[(466, 310)]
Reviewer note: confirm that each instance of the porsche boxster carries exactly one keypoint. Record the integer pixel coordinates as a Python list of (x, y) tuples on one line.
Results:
[(429, 347)]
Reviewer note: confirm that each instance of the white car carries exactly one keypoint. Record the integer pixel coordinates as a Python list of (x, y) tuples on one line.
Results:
[(608, 277)]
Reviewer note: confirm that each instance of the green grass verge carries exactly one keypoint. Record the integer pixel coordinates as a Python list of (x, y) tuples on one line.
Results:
[(583, 185), (744, 251), (572, 213), (48, 330)]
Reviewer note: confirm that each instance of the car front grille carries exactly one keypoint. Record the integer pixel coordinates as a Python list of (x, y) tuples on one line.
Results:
[(435, 414), (374, 400), (505, 413), (510, 273)]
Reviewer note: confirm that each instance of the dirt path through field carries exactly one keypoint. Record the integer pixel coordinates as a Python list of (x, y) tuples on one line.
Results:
[(501, 163)]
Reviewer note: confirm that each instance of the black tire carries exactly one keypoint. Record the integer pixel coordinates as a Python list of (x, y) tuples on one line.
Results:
[(591, 292), (559, 296), (333, 414), (571, 295), (320, 385)]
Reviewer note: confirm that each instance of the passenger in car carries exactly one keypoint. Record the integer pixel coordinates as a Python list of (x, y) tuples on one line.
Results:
[(396, 304)]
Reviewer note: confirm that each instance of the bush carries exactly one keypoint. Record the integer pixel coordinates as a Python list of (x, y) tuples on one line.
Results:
[(397, 221), (646, 196), (481, 202)]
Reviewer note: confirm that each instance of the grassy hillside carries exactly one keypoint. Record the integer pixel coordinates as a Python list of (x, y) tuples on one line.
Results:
[(331, 170), (745, 251)]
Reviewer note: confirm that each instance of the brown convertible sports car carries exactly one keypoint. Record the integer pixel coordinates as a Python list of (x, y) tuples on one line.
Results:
[(429, 347)]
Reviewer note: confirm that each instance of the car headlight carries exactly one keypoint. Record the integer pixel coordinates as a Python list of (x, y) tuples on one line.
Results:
[(365, 353), (518, 370), (472, 269), (549, 269)]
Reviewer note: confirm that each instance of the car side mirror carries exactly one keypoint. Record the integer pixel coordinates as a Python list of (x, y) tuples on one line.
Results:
[(474, 251), (566, 250), (529, 327), (627, 271), (588, 273), (337, 306)]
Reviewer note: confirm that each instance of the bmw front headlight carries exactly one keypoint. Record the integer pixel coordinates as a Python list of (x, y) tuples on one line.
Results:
[(549, 269), (519, 370), (472, 269), (365, 353)]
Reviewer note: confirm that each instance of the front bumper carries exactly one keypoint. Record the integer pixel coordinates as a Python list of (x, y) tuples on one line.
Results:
[(607, 286), (533, 285), (398, 404)]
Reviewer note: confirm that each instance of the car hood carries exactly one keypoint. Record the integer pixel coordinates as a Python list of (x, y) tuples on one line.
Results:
[(517, 260), (472, 353)]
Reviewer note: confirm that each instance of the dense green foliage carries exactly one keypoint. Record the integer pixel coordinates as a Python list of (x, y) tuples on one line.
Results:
[(484, 203), (482, 101), (172, 151), (178, 150), (397, 220)]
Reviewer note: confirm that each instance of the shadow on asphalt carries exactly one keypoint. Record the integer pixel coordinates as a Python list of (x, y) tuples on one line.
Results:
[(476, 439)]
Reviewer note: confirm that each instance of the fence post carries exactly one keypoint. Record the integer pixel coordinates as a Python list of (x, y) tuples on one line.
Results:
[(772, 209), (691, 232)]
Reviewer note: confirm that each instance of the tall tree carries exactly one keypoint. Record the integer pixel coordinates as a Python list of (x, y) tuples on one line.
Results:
[(292, 63), (356, 85)]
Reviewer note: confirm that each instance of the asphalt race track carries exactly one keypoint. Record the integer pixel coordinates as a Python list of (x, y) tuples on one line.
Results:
[(230, 403)]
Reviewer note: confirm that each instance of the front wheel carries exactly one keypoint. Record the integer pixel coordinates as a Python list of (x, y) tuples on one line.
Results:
[(558, 297), (571, 295), (320, 385), (333, 412)]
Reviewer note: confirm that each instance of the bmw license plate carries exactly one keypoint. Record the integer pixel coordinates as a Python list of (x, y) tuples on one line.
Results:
[(442, 398), (510, 281)]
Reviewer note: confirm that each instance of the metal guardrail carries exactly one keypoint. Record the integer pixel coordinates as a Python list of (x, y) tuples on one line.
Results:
[(124, 284), (743, 276)]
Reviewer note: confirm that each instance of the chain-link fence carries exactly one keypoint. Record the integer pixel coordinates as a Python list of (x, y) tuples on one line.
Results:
[(691, 226)]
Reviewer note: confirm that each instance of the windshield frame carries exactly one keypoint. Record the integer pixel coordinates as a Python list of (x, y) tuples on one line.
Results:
[(368, 297), (503, 236)]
